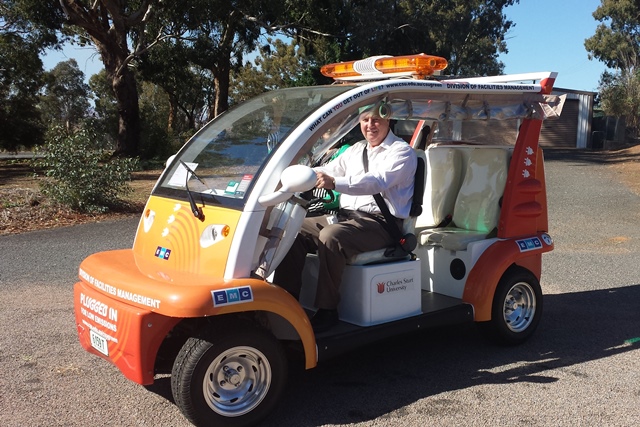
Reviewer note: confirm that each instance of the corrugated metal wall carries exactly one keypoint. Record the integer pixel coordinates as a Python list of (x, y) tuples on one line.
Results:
[(562, 132)]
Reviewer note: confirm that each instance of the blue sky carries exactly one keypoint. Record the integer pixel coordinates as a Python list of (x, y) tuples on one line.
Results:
[(548, 36)]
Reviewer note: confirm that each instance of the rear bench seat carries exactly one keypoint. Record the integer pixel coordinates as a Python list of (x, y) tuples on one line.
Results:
[(474, 207), (467, 195)]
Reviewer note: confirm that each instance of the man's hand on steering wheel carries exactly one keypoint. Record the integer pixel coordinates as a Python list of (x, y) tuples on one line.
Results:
[(325, 181), (320, 195)]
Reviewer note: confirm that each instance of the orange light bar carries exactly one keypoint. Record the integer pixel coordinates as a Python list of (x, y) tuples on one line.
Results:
[(377, 67)]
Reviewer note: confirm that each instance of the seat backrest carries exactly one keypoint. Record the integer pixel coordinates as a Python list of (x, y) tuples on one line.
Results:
[(419, 183), (477, 206), (444, 169), (409, 224)]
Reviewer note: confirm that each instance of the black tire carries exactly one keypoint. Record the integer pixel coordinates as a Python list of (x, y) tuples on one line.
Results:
[(516, 308), (229, 377)]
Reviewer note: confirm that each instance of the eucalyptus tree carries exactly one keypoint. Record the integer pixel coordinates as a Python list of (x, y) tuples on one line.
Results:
[(616, 42), (21, 77), (65, 101), (21, 70), (110, 25), (470, 34), (277, 65), (215, 35), (202, 39), (189, 88)]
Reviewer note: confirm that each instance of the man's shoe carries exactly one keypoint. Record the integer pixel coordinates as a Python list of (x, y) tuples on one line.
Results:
[(324, 320)]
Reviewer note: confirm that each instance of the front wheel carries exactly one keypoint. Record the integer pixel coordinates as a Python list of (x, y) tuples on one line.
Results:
[(229, 377), (516, 309)]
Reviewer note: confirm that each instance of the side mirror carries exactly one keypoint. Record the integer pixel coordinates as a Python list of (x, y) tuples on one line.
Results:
[(294, 179), (297, 178)]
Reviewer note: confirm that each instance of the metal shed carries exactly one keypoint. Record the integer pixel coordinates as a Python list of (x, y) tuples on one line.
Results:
[(573, 128)]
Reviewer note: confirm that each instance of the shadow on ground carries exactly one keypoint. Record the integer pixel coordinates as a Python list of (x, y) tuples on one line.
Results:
[(382, 379)]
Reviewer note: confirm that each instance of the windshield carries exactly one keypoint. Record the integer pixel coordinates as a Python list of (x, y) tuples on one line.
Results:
[(221, 163), (224, 157)]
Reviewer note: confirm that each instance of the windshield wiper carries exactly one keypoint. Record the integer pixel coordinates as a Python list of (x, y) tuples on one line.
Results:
[(197, 211)]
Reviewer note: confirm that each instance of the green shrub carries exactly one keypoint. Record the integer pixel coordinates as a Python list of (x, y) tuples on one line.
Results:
[(80, 175)]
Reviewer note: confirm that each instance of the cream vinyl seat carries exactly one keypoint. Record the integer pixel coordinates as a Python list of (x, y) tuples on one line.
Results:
[(477, 206), (444, 171)]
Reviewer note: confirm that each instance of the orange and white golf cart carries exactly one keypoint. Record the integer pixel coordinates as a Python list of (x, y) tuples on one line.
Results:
[(230, 203)]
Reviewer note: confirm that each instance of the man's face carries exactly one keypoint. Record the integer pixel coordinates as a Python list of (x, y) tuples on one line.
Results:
[(374, 128)]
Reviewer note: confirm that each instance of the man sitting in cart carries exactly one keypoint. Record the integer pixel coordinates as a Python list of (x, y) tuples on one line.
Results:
[(390, 172)]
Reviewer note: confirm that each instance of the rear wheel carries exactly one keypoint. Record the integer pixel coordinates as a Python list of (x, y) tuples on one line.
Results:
[(229, 377), (516, 309)]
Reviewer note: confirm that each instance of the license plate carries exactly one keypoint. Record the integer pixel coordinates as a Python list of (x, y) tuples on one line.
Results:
[(99, 342)]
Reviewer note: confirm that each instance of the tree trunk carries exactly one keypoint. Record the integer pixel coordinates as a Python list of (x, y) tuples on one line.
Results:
[(173, 108), (126, 92), (107, 25), (221, 85)]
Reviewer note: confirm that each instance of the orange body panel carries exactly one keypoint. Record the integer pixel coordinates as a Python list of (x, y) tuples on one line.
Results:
[(169, 225), (484, 277), (133, 335), (185, 295), (524, 203)]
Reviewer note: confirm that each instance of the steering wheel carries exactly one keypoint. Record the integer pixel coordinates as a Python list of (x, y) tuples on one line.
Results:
[(318, 197)]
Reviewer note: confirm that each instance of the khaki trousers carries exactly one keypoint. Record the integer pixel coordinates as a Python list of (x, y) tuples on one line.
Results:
[(335, 243)]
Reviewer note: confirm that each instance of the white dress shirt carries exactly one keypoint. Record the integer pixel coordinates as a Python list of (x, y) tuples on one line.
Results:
[(392, 167)]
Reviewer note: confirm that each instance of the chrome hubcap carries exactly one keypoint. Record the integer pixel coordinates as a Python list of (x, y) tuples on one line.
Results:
[(519, 307), (237, 381)]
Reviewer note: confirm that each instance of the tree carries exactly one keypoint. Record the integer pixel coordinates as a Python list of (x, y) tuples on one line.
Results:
[(616, 42), (33, 20), (186, 85), (154, 108), (470, 34), (65, 99), (104, 117), (617, 38), (284, 65), (619, 96), (203, 39), (215, 36), (110, 24), (21, 77), (21, 72)]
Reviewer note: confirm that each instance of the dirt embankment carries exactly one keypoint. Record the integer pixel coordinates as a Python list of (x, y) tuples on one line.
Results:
[(24, 208)]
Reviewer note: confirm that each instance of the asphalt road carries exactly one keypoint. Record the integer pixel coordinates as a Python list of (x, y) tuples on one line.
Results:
[(581, 368)]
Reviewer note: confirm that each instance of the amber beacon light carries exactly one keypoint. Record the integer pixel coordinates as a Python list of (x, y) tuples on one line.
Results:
[(379, 67)]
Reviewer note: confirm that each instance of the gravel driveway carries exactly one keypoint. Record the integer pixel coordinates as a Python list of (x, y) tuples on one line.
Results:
[(580, 369)]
